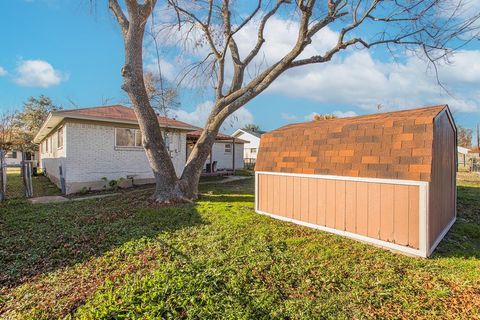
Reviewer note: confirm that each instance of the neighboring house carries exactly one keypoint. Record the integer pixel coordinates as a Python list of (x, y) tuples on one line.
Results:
[(82, 147), (463, 157), (226, 154), (468, 160), (387, 179), (251, 145), (14, 158)]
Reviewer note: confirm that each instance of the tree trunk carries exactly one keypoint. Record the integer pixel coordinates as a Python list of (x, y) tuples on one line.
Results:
[(198, 156), (167, 184)]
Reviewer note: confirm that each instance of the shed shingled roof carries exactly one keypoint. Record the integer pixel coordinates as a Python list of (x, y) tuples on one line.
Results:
[(391, 145)]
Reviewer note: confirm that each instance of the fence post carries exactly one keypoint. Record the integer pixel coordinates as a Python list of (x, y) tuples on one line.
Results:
[(3, 176), (62, 179), (29, 179)]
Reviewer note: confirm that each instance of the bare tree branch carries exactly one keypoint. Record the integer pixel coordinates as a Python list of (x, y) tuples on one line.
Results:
[(118, 12)]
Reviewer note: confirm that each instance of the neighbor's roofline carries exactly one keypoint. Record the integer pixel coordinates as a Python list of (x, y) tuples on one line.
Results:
[(246, 132)]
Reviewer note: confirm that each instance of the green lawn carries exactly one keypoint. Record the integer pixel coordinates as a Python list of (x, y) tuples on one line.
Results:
[(41, 185), (119, 257)]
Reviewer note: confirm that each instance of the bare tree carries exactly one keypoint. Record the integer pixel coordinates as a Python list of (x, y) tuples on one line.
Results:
[(464, 137), (7, 131), (478, 137), (432, 28), (163, 97)]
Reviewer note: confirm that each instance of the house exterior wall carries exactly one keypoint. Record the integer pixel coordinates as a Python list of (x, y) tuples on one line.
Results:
[(442, 193), (388, 213), (224, 160), (253, 143), (89, 154), (53, 157)]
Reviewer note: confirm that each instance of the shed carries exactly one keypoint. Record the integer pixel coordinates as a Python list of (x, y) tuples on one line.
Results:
[(386, 179)]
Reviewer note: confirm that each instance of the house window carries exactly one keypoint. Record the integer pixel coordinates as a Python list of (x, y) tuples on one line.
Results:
[(228, 148), (125, 137), (166, 139), (253, 150), (11, 154), (138, 138), (46, 144), (60, 138)]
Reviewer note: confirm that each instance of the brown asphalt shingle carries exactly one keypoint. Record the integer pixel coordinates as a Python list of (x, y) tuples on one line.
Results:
[(119, 112), (391, 145)]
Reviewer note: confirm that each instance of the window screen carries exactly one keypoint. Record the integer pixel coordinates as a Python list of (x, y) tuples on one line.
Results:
[(125, 137)]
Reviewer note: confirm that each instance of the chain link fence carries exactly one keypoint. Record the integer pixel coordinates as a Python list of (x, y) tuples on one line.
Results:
[(15, 178)]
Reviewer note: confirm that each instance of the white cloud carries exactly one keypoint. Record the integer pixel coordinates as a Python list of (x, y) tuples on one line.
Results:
[(280, 37), (199, 117), (338, 114), (38, 73), (194, 48), (344, 114), (358, 79), (353, 78), (287, 116), (2, 71), (167, 69)]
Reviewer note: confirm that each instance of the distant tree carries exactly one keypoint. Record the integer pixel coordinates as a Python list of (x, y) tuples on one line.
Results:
[(464, 137), (318, 117), (478, 137), (252, 127), (28, 121), (7, 130)]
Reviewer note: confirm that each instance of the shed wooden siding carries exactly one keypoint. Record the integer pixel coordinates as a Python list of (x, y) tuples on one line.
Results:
[(382, 211), (442, 192)]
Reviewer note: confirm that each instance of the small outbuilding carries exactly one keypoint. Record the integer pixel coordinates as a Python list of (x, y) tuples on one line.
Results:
[(388, 179)]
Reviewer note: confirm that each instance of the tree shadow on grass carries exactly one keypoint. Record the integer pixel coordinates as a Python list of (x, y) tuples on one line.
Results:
[(226, 198), (463, 239), (37, 239)]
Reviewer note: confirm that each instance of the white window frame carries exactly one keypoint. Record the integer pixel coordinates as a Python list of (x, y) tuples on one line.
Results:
[(229, 148), (134, 147), (60, 130)]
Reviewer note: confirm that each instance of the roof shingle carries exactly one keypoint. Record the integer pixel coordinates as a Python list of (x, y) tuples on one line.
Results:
[(393, 145), (119, 112)]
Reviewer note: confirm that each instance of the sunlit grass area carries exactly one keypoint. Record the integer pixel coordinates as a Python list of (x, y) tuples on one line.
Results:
[(121, 257)]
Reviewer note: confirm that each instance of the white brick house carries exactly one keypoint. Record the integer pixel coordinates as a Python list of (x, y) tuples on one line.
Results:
[(82, 147)]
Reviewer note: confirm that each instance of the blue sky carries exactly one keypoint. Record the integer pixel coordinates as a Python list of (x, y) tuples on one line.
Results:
[(63, 50)]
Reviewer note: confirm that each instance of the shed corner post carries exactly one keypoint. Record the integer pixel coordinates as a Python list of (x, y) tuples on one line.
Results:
[(424, 246), (256, 191)]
